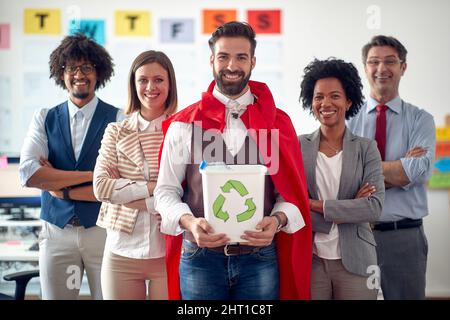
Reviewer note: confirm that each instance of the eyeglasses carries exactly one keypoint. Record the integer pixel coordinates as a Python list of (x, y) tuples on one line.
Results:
[(86, 69), (387, 62)]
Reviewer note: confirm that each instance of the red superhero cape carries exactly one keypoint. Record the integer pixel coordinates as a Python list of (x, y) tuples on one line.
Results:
[(294, 250)]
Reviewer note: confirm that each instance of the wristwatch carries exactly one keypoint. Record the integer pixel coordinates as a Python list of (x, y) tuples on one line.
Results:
[(280, 222), (66, 193)]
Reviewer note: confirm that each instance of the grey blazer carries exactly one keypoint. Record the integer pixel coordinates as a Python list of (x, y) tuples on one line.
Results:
[(361, 163)]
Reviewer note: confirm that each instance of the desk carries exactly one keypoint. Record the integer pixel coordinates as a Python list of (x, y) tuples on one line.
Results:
[(17, 250), (23, 223)]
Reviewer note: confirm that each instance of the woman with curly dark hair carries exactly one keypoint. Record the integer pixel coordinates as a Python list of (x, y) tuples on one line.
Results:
[(345, 184)]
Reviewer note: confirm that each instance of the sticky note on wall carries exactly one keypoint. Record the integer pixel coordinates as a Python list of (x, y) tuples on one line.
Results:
[(3, 162), (265, 21), (5, 32), (212, 19), (42, 21), (443, 134), (442, 149), (439, 181), (443, 165), (177, 30), (132, 23), (94, 29)]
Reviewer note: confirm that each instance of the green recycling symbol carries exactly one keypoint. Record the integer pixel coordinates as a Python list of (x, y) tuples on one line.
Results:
[(220, 200)]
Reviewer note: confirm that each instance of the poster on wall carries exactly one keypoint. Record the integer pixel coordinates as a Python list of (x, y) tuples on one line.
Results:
[(94, 29), (214, 18), (42, 21), (177, 30), (6, 130), (132, 23), (36, 52), (5, 31), (265, 21)]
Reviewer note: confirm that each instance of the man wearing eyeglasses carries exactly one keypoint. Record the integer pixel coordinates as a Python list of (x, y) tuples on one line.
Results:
[(58, 156), (406, 137)]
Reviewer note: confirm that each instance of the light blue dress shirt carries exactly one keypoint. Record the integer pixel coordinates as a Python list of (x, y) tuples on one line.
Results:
[(35, 144), (407, 127)]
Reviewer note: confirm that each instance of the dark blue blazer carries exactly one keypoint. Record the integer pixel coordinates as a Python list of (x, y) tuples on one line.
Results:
[(61, 156)]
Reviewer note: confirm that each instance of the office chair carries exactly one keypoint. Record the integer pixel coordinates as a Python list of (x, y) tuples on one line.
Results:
[(22, 279)]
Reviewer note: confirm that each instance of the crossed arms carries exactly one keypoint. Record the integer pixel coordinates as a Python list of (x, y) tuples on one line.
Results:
[(37, 172)]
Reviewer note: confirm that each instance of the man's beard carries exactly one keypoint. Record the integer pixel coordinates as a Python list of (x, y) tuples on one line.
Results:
[(80, 95), (231, 88)]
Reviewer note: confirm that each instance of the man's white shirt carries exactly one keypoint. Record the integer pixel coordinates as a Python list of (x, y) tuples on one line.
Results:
[(176, 155)]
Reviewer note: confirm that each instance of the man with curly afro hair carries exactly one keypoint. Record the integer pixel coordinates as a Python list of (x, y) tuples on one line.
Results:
[(58, 156)]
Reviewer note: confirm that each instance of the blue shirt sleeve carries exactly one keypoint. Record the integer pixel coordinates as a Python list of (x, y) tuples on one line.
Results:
[(418, 169)]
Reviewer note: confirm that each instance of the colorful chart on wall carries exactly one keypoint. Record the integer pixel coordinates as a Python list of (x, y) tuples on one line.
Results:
[(440, 179)]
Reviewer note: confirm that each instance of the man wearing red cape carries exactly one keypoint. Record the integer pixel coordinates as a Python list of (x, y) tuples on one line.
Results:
[(273, 263)]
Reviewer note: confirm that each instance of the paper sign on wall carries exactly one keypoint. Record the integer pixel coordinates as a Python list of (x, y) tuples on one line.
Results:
[(443, 134), (442, 149), (132, 23), (439, 181), (265, 21), (94, 29), (42, 21), (212, 19), (3, 162), (5, 32), (443, 164), (177, 30)]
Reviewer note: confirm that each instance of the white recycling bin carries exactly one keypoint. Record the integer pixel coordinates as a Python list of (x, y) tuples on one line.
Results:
[(233, 198)]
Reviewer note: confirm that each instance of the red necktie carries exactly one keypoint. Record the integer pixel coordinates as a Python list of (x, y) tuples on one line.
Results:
[(380, 131)]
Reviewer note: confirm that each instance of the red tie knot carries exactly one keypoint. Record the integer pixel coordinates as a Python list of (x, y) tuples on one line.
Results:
[(381, 108)]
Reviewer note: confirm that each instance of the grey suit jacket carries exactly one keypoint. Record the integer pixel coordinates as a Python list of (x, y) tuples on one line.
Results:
[(361, 163)]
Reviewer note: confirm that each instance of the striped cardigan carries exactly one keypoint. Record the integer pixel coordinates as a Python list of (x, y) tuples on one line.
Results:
[(120, 148)]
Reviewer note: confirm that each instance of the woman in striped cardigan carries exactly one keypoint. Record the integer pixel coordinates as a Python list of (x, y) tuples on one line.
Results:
[(124, 178)]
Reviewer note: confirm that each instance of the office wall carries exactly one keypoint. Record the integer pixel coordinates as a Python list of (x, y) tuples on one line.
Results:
[(310, 29)]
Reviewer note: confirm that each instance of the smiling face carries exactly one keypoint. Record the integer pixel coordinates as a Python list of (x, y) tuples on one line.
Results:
[(152, 86), (384, 78), (81, 86), (330, 102), (232, 64)]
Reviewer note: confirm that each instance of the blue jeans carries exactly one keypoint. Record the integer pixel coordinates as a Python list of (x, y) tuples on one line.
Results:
[(210, 275)]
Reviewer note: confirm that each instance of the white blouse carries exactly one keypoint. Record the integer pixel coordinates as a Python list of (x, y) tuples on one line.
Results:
[(328, 176)]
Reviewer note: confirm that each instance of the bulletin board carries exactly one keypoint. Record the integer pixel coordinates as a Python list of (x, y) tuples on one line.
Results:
[(125, 29)]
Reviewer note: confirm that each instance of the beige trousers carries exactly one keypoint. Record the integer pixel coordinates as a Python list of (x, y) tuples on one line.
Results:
[(125, 278), (330, 280), (64, 255)]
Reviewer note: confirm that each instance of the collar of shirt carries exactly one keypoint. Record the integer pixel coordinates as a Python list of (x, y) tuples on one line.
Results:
[(88, 109), (154, 125), (395, 104), (243, 101)]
